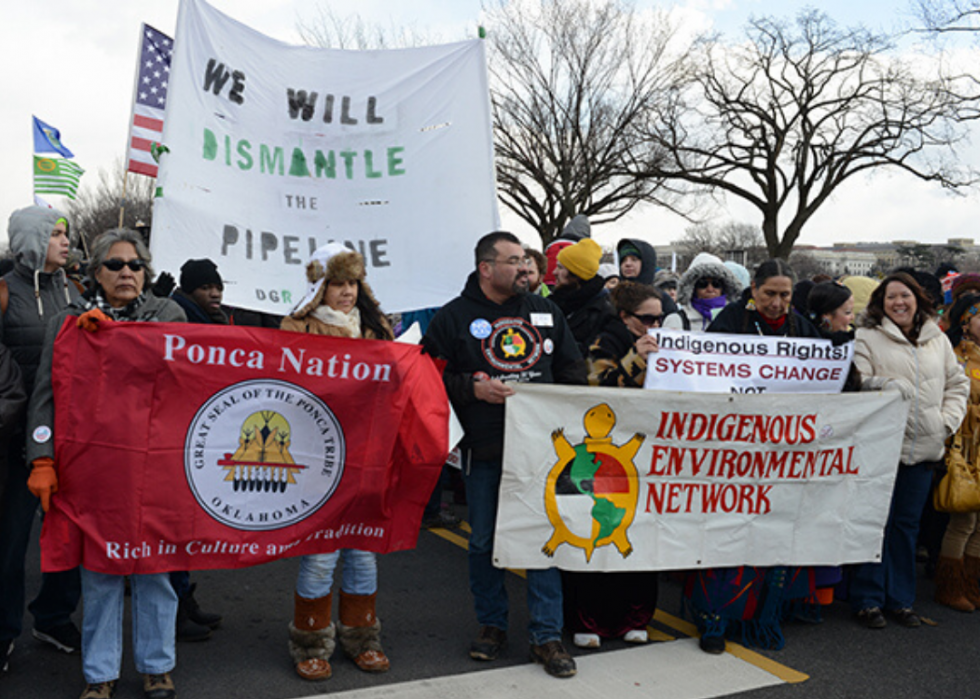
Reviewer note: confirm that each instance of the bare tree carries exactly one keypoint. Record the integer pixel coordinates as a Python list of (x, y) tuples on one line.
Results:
[(740, 242), (328, 29), (573, 85), (785, 119), (949, 16), (97, 207)]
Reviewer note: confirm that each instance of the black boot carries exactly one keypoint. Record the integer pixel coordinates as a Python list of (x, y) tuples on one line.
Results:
[(187, 629), (198, 615)]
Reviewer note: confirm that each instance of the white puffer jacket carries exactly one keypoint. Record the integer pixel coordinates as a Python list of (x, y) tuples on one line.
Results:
[(941, 387)]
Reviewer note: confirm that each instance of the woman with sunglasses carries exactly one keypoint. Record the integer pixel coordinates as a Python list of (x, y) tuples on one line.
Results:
[(614, 605), (704, 289), (120, 273), (748, 600)]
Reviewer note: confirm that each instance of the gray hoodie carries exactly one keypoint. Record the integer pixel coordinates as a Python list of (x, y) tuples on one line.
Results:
[(35, 296)]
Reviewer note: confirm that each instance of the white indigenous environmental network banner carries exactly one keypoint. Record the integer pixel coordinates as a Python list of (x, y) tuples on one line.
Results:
[(719, 363), (613, 479), (275, 150)]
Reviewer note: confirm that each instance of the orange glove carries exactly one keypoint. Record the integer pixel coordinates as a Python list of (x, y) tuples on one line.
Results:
[(43, 481), (90, 320)]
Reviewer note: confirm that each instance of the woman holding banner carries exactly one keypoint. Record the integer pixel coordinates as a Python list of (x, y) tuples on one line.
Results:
[(751, 600), (338, 303), (613, 605), (899, 341), (958, 570), (120, 271)]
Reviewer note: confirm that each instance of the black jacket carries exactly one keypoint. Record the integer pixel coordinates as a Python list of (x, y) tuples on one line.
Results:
[(587, 309), (525, 339), (737, 319)]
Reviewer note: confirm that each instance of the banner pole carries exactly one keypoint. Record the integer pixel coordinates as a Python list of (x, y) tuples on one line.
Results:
[(122, 203)]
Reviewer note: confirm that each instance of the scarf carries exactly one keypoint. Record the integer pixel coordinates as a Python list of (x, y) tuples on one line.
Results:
[(350, 322), (707, 308), (130, 312)]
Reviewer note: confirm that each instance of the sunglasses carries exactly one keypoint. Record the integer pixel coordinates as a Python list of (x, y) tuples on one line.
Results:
[(648, 319), (705, 282), (115, 264)]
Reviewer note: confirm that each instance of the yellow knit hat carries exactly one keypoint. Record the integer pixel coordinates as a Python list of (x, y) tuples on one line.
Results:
[(581, 259)]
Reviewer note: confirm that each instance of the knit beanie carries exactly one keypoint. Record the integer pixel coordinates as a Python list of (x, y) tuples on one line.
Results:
[(582, 259), (196, 273)]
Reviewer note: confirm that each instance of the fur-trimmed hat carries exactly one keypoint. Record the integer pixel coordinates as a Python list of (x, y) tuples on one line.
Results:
[(331, 262), (707, 265)]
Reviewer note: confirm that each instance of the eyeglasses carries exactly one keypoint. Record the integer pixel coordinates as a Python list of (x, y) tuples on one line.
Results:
[(512, 261), (115, 264), (648, 319), (705, 282)]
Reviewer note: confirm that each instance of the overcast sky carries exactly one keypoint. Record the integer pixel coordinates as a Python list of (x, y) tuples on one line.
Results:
[(72, 63)]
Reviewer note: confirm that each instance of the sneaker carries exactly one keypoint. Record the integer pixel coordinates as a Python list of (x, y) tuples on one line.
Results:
[(872, 618), (6, 648), (444, 519), (586, 640), (159, 687), (65, 638), (713, 643), (488, 643), (907, 618), (99, 690), (637, 636), (556, 660)]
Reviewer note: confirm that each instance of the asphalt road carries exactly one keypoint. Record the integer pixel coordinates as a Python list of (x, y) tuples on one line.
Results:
[(428, 622)]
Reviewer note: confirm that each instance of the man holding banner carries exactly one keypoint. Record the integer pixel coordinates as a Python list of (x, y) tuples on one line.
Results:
[(492, 335)]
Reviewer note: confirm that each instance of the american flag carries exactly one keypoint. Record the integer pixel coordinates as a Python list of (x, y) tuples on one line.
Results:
[(149, 100)]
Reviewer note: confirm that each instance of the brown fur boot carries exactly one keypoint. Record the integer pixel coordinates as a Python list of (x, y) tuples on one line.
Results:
[(971, 571), (950, 584), (360, 632), (312, 637)]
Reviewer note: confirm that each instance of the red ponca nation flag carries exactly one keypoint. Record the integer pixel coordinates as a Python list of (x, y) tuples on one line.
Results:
[(182, 447)]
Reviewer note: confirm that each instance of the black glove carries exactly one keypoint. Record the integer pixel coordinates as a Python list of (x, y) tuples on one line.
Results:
[(164, 285)]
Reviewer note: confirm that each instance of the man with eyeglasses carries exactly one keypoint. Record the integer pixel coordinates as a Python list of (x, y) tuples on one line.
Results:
[(492, 335), (34, 292)]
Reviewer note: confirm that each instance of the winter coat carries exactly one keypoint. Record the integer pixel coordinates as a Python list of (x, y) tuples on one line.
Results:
[(34, 296), (525, 339), (613, 359), (195, 314), (314, 326), (930, 366), (968, 355), (704, 265), (40, 412), (587, 310), (737, 318), (648, 259)]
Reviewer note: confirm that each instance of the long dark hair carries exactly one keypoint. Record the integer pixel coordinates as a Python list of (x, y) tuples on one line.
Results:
[(874, 314), (371, 316), (955, 316)]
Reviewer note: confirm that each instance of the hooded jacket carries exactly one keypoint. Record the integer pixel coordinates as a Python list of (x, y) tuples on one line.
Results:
[(648, 259), (587, 309), (525, 339), (930, 365), (35, 296), (704, 265)]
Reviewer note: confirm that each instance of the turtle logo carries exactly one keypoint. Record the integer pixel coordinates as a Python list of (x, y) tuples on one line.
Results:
[(592, 490), (513, 345)]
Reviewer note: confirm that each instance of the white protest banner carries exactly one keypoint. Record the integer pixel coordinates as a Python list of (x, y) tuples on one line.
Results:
[(719, 363), (275, 150), (614, 479)]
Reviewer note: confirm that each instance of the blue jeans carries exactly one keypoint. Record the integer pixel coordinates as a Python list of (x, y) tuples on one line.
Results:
[(891, 583), (360, 574), (544, 604), (154, 624), (60, 592)]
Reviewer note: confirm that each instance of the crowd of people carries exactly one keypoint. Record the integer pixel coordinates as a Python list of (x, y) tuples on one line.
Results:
[(593, 322)]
